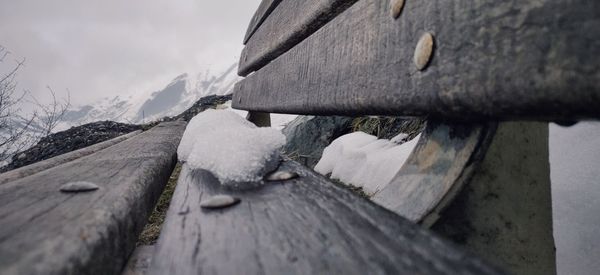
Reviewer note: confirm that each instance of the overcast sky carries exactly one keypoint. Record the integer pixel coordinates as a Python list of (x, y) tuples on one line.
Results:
[(103, 48)]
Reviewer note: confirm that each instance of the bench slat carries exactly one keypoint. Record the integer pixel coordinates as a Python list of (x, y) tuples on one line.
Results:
[(61, 159), (45, 231), (302, 226), (291, 22), (264, 9), (518, 59)]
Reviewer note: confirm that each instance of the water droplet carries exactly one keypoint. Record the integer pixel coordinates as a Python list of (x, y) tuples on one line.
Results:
[(219, 201), (281, 175), (423, 51), (78, 186)]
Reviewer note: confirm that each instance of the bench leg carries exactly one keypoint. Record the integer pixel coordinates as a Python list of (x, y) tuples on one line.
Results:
[(259, 119), (504, 213)]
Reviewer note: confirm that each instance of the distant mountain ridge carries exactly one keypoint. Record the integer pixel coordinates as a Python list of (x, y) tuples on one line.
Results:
[(177, 96)]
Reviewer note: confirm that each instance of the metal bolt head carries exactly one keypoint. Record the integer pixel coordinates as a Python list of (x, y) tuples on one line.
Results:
[(396, 8), (423, 51), (78, 186), (219, 201), (281, 176)]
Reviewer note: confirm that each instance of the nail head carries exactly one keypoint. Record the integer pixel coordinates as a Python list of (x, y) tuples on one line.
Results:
[(78, 186), (423, 51), (396, 8), (219, 201), (281, 176)]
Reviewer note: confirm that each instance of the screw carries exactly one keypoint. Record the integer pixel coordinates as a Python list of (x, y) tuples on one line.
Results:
[(396, 8), (281, 176), (423, 51), (219, 201), (78, 186)]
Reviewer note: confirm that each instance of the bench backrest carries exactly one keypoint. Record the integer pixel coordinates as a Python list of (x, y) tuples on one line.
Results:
[(452, 62), (526, 60)]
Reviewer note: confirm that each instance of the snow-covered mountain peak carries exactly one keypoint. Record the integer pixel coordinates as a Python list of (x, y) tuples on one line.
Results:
[(144, 106)]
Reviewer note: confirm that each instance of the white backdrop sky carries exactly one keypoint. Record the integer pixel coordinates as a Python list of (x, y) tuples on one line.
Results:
[(104, 48)]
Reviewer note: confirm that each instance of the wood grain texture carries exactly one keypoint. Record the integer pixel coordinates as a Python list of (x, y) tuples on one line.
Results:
[(303, 226), (45, 231), (264, 9), (61, 159), (517, 59), (290, 22), (140, 260), (444, 159)]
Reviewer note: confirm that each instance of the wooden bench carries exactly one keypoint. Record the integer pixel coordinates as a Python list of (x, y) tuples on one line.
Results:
[(475, 177), (480, 72), (46, 231)]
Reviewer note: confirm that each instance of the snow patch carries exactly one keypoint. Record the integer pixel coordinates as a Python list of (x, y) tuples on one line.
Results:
[(364, 161), (233, 149)]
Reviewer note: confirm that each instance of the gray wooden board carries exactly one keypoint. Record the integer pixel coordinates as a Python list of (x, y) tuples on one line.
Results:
[(64, 158), (264, 9), (526, 59), (443, 160), (140, 260), (45, 231), (303, 226), (290, 22)]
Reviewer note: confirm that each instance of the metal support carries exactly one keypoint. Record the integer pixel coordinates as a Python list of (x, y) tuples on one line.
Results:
[(504, 213)]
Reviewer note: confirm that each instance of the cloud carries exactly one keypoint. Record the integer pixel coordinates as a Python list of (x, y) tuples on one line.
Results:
[(105, 48)]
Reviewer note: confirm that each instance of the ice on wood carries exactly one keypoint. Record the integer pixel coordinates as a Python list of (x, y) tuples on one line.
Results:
[(233, 149), (364, 161)]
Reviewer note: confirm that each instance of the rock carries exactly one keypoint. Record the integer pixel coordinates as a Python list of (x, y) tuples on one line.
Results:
[(211, 101), (78, 186), (219, 201), (307, 136), (70, 140)]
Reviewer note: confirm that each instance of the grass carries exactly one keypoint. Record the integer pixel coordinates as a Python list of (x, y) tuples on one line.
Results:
[(369, 125), (388, 127), (357, 190), (152, 229)]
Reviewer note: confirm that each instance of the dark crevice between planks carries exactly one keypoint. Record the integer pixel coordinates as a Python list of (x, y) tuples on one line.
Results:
[(151, 231)]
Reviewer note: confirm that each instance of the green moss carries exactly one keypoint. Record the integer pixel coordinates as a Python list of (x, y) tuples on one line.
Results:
[(152, 229)]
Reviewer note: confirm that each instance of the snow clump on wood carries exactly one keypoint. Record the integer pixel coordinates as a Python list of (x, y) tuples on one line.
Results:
[(233, 149)]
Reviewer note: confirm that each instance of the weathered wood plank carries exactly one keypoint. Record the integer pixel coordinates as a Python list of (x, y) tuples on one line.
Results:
[(45, 231), (520, 59), (264, 9), (140, 260), (61, 159), (302, 226), (290, 22)]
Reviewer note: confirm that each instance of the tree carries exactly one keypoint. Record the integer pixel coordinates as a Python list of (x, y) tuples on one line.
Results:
[(18, 131)]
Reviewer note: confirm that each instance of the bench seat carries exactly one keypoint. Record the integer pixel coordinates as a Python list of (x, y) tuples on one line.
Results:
[(306, 225), (46, 231)]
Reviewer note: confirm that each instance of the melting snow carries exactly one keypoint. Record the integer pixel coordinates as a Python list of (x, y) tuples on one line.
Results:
[(229, 146), (364, 161)]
